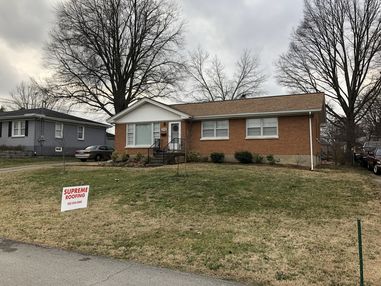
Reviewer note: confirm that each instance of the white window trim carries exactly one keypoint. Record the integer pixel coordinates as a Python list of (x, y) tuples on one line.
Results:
[(215, 128), (55, 130), (214, 139), (133, 135), (13, 128), (134, 138), (83, 133), (262, 136)]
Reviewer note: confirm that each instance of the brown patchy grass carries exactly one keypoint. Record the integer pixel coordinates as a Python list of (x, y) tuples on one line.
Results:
[(257, 224), (24, 161)]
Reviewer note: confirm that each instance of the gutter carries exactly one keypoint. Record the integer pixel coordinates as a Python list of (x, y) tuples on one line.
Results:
[(243, 115), (311, 141)]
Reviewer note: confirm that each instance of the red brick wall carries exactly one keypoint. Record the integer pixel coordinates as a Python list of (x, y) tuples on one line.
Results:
[(293, 138), (120, 137), (164, 135)]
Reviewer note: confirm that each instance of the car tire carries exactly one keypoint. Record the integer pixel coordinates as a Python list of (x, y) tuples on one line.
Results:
[(98, 157), (83, 160), (376, 170)]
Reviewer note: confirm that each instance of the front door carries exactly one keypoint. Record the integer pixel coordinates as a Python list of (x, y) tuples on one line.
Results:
[(174, 138)]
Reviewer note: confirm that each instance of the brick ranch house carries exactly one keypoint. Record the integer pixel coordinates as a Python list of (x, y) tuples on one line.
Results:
[(286, 126)]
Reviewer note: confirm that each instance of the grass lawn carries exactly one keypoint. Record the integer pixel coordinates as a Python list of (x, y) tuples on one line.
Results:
[(15, 162), (257, 224)]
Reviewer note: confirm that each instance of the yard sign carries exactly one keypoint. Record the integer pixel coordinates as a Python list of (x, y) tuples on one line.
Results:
[(74, 198)]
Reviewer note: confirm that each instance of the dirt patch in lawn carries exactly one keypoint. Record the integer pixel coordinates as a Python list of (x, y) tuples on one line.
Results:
[(257, 224)]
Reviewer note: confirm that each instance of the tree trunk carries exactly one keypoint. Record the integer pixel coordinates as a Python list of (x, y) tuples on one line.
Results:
[(350, 139)]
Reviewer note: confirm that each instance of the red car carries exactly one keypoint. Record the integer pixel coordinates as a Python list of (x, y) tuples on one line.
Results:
[(374, 161)]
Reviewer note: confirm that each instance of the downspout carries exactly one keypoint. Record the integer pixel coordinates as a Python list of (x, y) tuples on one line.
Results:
[(189, 134), (311, 145)]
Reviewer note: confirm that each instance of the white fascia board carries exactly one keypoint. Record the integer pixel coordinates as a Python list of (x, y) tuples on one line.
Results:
[(115, 118), (257, 114)]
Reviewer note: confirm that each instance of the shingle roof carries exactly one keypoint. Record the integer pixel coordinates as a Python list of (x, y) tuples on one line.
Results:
[(46, 112), (270, 104)]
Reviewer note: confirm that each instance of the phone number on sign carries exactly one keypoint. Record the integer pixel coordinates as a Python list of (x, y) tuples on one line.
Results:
[(74, 203)]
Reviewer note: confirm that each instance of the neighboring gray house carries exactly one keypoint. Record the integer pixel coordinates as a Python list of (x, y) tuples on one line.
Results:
[(110, 141), (43, 130)]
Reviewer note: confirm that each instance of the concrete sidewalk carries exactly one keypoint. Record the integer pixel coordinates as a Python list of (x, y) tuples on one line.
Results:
[(22, 264)]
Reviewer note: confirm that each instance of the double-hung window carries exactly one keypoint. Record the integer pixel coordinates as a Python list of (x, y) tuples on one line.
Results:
[(59, 130), (212, 130), (142, 134), (81, 133), (262, 128), (18, 129)]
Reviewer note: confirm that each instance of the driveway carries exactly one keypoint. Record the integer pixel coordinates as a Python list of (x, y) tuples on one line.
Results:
[(23, 264)]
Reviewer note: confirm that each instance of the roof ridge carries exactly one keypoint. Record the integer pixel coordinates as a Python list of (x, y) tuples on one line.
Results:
[(246, 99)]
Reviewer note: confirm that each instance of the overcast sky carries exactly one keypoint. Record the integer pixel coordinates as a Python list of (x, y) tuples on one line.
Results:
[(223, 27)]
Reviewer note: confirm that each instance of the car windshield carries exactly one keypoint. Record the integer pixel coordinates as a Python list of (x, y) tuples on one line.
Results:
[(378, 152), (91, 148), (372, 144)]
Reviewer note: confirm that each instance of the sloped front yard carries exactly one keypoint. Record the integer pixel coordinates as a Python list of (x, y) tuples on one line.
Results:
[(257, 224), (25, 161)]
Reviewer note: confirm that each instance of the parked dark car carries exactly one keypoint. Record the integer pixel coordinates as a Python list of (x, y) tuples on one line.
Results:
[(361, 154), (374, 161), (96, 152)]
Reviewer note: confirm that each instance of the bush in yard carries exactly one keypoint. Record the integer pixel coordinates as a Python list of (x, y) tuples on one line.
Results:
[(270, 159), (217, 157), (124, 157), (193, 157), (139, 158), (244, 157), (119, 157), (114, 156), (11, 148), (258, 159)]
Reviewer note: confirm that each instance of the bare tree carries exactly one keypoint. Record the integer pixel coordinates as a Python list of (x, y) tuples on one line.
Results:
[(336, 49), (109, 53), (211, 83), (333, 138), (31, 94), (371, 123)]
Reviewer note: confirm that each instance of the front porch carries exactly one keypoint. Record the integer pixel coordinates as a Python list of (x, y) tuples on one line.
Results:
[(173, 152)]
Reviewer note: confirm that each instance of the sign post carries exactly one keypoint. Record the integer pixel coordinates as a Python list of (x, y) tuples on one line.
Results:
[(74, 198), (360, 252)]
